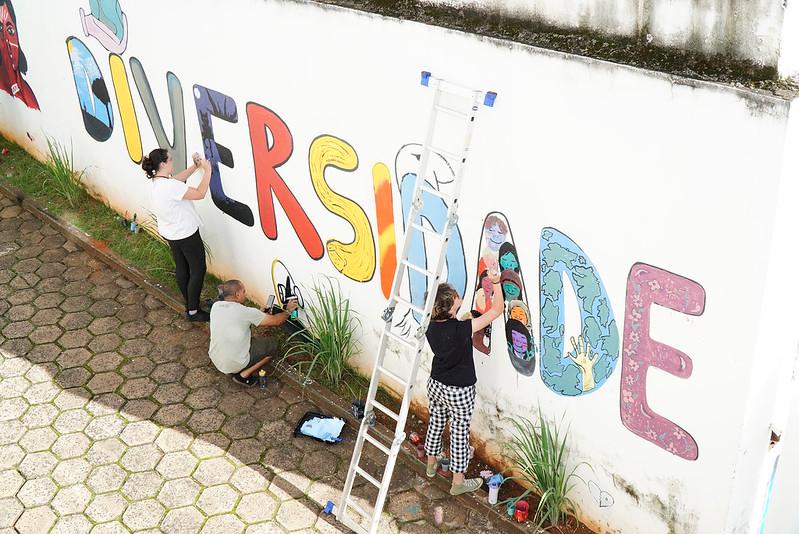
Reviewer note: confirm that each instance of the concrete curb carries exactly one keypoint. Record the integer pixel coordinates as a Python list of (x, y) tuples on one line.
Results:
[(319, 395)]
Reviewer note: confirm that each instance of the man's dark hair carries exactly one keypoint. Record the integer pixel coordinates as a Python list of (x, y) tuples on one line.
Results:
[(231, 287)]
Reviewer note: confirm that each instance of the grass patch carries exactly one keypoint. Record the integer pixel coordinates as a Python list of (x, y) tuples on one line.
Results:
[(38, 182)]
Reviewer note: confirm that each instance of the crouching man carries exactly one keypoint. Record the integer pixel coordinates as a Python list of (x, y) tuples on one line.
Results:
[(232, 348)]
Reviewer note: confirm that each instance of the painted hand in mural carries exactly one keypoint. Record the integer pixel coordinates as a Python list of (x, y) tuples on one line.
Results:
[(583, 359)]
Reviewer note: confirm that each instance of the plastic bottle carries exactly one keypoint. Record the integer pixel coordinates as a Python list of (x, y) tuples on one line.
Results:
[(262, 381)]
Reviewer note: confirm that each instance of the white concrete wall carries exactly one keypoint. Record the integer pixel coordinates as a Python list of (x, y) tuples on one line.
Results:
[(632, 166), (744, 30)]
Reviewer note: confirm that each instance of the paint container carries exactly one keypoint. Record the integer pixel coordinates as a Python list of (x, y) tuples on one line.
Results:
[(510, 507), (438, 515), (415, 438), (521, 511), (420, 452), (444, 463), (493, 488)]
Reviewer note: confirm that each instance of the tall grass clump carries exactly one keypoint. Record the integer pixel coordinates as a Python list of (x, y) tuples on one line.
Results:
[(538, 452), (63, 178), (330, 337)]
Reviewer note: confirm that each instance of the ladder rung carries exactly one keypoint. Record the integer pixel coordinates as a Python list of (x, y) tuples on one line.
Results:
[(351, 504), (377, 444), (367, 476), (409, 304), (418, 269), (393, 376), (385, 410), (453, 112), (427, 231), (402, 340), (437, 193), (445, 152)]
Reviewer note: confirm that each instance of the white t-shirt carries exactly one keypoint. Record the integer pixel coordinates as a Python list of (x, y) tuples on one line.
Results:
[(229, 347), (177, 218)]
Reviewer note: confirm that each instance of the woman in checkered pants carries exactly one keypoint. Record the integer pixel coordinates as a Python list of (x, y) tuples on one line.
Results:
[(452, 378)]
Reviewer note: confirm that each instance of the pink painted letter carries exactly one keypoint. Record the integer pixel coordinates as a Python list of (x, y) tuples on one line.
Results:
[(647, 285)]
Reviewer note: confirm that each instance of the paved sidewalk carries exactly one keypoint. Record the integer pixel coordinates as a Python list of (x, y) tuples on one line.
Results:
[(113, 420)]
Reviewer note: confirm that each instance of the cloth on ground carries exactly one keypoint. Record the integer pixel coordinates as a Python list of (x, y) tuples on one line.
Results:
[(324, 428)]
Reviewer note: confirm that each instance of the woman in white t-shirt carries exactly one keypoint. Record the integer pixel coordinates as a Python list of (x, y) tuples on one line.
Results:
[(178, 222)]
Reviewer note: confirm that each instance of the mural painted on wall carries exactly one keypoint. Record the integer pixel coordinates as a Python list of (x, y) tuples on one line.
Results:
[(210, 103), (356, 259), (433, 215), (95, 103), (596, 349), (107, 23), (497, 249), (284, 285), (13, 63), (647, 285)]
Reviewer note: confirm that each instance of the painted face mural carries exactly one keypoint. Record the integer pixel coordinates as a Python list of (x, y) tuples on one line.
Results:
[(12, 60), (507, 258), (495, 233), (519, 312), (520, 344)]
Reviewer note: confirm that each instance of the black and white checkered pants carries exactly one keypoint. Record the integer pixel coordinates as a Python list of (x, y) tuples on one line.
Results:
[(457, 405)]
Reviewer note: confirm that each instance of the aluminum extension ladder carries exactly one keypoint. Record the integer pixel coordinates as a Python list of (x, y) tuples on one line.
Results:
[(473, 100)]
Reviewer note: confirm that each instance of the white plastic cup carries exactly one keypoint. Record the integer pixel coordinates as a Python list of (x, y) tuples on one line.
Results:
[(493, 494)]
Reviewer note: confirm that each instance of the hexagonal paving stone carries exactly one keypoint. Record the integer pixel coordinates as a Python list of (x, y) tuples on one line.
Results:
[(14, 387), (69, 399), (177, 464), (71, 500), (104, 325), (12, 408), (48, 300), (46, 317), (113, 527), (41, 393), (38, 439), (294, 515), (105, 343), (20, 313), (139, 433), (10, 510), (45, 334), (172, 415), (206, 397), (209, 420), (134, 329), (106, 507), (174, 439), (104, 383), (105, 361), (72, 421), (222, 524), (289, 485), (71, 471), (75, 320), (37, 492), (137, 347), (214, 471), (37, 464), (14, 367), (10, 456), (71, 445), (138, 367), (246, 451), (74, 357), (318, 464), (73, 339), (105, 451), (74, 377), (41, 372), (11, 431), (18, 329), (106, 478), (105, 404), (35, 520), (180, 492), (200, 377), (168, 373), (217, 500), (137, 388), (241, 426), (143, 485), (46, 353), (104, 308), (187, 519), (141, 458), (139, 409), (251, 478), (257, 507), (10, 482), (171, 393), (144, 514), (72, 524)]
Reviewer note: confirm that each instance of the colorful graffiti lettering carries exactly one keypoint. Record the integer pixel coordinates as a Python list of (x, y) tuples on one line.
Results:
[(210, 103), (356, 259), (107, 23), (647, 285), (386, 236), (267, 157), (127, 113), (580, 371), (95, 104), (13, 63), (434, 213), (178, 145)]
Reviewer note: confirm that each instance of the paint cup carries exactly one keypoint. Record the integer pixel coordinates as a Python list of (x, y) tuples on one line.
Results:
[(521, 511), (493, 493), (420, 452), (438, 515), (510, 507), (444, 463), (415, 438)]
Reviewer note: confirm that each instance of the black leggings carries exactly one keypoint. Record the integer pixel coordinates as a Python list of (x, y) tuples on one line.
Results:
[(189, 255)]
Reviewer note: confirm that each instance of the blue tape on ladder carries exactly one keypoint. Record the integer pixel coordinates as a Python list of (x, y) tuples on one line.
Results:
[(425, 78), (490, 97)]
